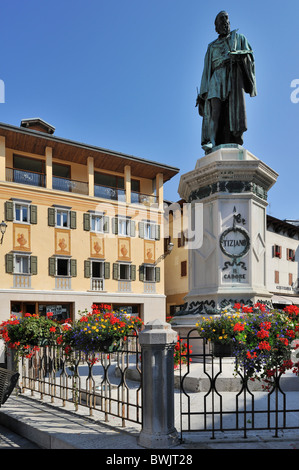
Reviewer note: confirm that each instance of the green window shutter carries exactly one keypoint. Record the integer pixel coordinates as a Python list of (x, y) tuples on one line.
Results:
[(132, 228), (107, 270), (141, 273), (141, 229), (51, 216), (87, 268), (157, 230), (9, 211), (115, 271), (73, 267), (86, 223), (157, 274), (133, 272), (33, 264), (115, 225), (106, 223), (73, 220), (9, 263), (52, 266), (33, 214)]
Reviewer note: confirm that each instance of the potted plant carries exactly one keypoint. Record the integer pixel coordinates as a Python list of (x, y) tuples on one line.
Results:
[(261, 338), (100, 330), (26, 335)]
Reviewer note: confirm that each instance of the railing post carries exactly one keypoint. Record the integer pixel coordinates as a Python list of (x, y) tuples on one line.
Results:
[(157, 342)]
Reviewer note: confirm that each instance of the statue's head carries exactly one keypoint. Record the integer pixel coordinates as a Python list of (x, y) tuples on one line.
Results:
[(222, 24)]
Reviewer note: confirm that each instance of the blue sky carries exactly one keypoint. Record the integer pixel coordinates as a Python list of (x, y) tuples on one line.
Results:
[(122, 74)]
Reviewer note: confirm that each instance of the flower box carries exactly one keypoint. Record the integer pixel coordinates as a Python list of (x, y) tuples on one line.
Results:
[(222, 349)]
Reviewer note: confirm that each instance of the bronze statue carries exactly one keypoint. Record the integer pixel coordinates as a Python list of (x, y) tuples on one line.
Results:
[(229, 71)]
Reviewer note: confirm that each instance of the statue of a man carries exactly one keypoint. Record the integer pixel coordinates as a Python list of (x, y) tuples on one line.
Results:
[(229, 71)]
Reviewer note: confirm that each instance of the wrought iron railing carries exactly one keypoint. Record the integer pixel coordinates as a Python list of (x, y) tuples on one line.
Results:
[(145, 199), (100, 382), (227, 401), (32, 178), (69, 185)]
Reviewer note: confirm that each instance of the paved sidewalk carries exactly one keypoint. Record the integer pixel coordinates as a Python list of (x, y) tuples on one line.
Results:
[(51, 427)]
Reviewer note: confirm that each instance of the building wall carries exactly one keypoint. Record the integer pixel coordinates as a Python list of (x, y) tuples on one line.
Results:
[(282, 273), (42, 242)]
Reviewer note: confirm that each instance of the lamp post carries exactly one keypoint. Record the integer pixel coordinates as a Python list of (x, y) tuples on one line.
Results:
[(3, 227), (163, 256)]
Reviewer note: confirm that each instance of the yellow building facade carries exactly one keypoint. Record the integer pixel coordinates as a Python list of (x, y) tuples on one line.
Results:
[(84, 226)]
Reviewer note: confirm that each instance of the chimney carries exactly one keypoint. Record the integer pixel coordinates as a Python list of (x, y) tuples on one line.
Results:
[(37, 124)]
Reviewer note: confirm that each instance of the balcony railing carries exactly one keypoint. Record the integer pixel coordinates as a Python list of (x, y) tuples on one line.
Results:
[(145, 199), (33, 178), (97, 283), (66, 184), (108, 192)]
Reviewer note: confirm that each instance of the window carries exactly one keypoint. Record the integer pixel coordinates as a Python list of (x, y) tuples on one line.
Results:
[(97, 269), (149, 273), (183, 268), (20, 211), (290, 254), (276, 277), (290, 279), (124, 272), (123, 226), (62, 217), (149, 230), (96, 223), (21, 265), (16, 263), (65, 267), (277, 251)]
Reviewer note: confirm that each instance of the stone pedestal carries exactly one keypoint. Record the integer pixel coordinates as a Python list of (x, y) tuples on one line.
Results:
[(230, 266), (157, 342)]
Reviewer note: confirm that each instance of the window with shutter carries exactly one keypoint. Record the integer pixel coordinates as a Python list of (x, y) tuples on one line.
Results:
[(133, 272), (157, 269), (9, 263), (107, 270), (33, 265), (73, 220), (33, 214), (115, 271), (9, 216), (52, 266), (51, 216), (73, 267), (86, 222), (87, 270)]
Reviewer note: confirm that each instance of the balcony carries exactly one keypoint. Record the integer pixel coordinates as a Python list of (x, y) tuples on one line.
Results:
[(145, 199), (32, 178), (68, 185), (109, 192)]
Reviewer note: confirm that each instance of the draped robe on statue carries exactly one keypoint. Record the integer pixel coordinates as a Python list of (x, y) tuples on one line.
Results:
[(227, 79)]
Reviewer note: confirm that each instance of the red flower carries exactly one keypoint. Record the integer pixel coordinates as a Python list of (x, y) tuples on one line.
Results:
[(52, 329), (263, 334), (239, 327), (264, 345)]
